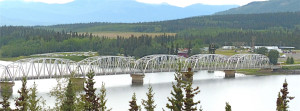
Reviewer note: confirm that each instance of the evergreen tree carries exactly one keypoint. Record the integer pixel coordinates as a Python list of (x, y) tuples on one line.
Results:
[(176, 49), (149, 103), (172, 49), (292, 60), (288, 60), (189, 48), (283, 98), (91, 101), (262, 50), (133, 105), (190, 93), (59, 93), (69, 101), (5, 96), (103, 99), (22, 101), (176, 102), (273, 56), (33, 100), (227, 107)]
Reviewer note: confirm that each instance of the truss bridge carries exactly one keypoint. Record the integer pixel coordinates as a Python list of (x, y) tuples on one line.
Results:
[(42, 68)]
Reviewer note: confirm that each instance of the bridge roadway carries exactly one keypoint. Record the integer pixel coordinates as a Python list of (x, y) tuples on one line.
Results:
[(42, 68)]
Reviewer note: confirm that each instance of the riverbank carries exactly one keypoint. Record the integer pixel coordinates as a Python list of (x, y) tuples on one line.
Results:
[(259, 72)]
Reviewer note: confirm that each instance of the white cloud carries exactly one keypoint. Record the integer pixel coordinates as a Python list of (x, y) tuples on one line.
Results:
[(184, 3), (45, 1)]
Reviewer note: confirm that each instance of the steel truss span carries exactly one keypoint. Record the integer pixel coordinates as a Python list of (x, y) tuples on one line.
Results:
[(4, 71), (157, 63), (37, 68), (247, 61), (206, 62), (104, 65)]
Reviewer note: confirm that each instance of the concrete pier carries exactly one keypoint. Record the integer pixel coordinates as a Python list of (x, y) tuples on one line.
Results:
[(137, 79), (8, 85), (229, 73), (78, 83)]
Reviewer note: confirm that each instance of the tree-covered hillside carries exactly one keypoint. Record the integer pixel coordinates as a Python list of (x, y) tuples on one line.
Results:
[(192, 33), (23, 41), (268, 6), (288, 20)]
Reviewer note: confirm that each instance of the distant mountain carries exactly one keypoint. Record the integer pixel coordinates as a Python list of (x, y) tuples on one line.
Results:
[(270, 6), (85, 11)]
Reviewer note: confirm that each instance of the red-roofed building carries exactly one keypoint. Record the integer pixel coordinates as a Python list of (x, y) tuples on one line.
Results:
[(183, 52)]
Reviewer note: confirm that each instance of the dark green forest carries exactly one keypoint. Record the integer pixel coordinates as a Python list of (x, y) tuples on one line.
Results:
[(287, 20), (24, 41), (192, 33)]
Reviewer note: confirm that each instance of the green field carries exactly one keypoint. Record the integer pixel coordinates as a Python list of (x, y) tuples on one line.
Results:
[(128, 34)]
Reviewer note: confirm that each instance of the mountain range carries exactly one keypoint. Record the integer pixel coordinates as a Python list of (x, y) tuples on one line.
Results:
[(270, 6), (85, 11)]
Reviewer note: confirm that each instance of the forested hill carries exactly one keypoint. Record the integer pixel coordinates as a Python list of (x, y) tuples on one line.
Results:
[(238, 21), (269, 6), (192, 33)]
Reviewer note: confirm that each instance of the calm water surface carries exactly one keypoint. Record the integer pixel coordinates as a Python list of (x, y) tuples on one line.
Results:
[(244, 93)]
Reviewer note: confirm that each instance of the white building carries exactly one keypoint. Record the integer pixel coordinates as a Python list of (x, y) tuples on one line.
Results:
[(228, 47), (270, 48)]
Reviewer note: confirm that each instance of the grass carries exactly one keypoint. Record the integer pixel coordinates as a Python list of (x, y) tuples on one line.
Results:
[(128, 34), (249, 71), (256, 72), (290, 67), (231, 52), (226, 52), (13, 58), (74, 58)]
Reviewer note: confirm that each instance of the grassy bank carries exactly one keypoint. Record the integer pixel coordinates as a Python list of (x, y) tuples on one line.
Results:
[(291, 67), (73, 58), (256, 72), (13, 58)]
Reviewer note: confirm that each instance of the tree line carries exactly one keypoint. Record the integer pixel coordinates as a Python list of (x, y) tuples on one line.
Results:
[(24, 41), (262, 21)]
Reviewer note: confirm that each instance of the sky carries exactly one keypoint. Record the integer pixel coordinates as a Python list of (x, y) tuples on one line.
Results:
[(178, 3)]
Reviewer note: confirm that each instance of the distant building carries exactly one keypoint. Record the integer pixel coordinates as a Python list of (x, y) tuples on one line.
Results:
[(246, 47), (183, 52), (270, 48), (287, 49), (205, 49), (228, 47)]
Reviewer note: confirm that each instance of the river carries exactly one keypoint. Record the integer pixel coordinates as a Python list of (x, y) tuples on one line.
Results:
[(244, 93)]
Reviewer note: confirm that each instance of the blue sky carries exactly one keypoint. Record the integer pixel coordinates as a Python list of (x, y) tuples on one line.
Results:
[(178, 3)]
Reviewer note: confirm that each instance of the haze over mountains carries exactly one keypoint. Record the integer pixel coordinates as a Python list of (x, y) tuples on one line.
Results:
[(85, 11), (270, 6)]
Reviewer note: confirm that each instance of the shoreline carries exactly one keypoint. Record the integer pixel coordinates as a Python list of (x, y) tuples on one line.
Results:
[(276, 72)]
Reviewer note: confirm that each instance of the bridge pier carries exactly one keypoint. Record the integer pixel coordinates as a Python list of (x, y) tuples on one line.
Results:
[(229, 73), (187, 76), (78, 83), (8, 85), (137, 79)]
